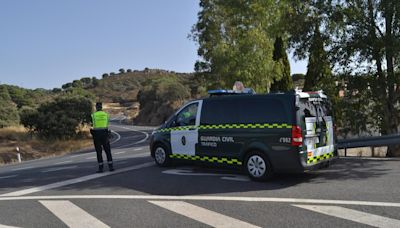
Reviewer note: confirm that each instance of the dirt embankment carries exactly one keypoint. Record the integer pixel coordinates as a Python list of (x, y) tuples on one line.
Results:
[(33, 148)]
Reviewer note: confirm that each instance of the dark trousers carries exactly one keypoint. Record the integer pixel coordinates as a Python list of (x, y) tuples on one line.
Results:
[(101, 141)]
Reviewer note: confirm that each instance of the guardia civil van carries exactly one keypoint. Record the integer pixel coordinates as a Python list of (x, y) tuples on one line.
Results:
[(264, 134)]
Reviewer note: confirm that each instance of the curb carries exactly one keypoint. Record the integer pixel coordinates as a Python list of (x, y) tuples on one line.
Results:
[(371, 158)]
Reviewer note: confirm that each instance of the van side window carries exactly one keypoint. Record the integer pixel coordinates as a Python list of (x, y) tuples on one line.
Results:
[(187, 116), (244, 110)]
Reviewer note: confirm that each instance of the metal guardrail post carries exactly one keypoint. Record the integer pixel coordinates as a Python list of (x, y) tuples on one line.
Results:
[(18, 155), (345, 151)]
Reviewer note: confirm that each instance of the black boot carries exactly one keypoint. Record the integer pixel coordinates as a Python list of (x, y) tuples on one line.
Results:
[(111, 167), (100, 170)]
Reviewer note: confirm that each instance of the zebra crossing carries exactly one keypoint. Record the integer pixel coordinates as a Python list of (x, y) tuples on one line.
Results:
[(70, 214)]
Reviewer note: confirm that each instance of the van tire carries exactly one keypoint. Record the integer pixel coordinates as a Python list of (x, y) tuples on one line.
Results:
[(258, 166), (161, 156)]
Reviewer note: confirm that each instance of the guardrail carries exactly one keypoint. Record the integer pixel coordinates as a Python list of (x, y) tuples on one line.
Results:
[(372, 142)]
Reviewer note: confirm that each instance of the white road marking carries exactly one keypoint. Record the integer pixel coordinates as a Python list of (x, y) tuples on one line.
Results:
[(118, 137), (353, 215), (137, 149), (121, 152), (202, 215), (90, 158), (72, 215), (237, 178), (23, 168), (60, 168), (10, 176), (64, 162), (131, 144), (15, 196), (4, 226), (135, 156), (74, 181), (78, 155)]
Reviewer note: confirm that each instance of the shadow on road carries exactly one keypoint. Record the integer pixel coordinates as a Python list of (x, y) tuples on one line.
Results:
[(152, 180)]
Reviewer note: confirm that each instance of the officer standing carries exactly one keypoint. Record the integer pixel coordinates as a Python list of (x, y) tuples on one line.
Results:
[(100, 135)]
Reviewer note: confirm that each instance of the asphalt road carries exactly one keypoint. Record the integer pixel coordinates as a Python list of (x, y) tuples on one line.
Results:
[(65, 191)]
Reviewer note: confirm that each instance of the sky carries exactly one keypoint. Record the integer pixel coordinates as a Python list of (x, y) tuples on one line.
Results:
[(47, 43)]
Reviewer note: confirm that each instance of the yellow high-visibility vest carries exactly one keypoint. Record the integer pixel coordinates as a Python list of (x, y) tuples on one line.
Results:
[(100, 120)]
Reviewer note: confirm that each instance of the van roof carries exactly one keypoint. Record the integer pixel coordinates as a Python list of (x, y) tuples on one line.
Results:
[(228, 95)]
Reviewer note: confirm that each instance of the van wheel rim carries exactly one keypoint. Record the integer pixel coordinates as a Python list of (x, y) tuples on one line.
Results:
[(256, 166), (160, 155)]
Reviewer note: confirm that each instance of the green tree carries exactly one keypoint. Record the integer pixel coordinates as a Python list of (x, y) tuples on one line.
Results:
[(236, 42), (67, 85), (28, 118), (369, 41), (9, 114), (95, 82), (77, 84), (283, 67), (159, 98), (61, 118), (86, 81), (319, 74), (20, 96), (56, 90)]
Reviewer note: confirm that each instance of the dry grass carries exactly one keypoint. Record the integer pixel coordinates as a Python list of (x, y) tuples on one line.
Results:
[(31, 147)]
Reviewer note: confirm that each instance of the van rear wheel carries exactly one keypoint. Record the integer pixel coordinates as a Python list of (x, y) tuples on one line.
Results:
[(257, 166), (161, 156)]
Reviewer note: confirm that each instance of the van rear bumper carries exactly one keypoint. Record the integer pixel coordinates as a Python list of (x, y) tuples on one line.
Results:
[(319, 164)]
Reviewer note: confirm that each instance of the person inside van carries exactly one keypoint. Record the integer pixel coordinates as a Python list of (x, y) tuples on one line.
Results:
[(188, 116), (238, 86)]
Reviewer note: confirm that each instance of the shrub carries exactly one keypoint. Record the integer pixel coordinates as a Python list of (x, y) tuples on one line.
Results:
[(159, 98), (28, 118), (59, 119), (8, 110)]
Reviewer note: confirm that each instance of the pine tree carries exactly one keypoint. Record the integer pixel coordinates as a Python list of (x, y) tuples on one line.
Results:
[(319, 72), (284, 83)]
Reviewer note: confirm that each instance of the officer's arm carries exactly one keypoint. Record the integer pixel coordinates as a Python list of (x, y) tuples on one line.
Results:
[(108, 119), (93, 120)]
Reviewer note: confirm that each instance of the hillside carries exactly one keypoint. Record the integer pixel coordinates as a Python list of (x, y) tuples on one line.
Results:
[(146, 97)]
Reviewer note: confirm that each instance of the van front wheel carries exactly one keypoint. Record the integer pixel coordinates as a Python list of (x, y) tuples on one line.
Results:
[(161, 157), (257, 166)]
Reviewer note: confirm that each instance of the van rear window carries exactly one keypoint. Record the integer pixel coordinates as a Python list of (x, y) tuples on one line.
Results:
[(314, 108), (243, 110)]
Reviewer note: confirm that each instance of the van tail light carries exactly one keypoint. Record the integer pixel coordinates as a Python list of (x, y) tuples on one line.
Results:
[(297, 136)]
